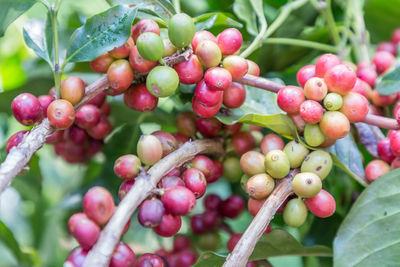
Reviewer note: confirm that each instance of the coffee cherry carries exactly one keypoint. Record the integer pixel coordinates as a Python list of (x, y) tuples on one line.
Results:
[(181, 243), (98, 100), (258, 136), (190, 71), (101, 63), (61, 114), (212, 201), (355, 107), (170, 181), (289, 99), (218, 78), (125, 187), (209, 241), (211, 219), (150, 46), (252, 163), (204, 164), (181, 30), (243, 142), (233, 240), (120, 76), (295, 213), (235, 95), (232, 206), (72, 89), (208, 53), (77, 135), (15, 140), (232, 170), (77, 257), (395, 163), (367, 74), (144, 25), (84, 230), (304, 74), (168, 142), (105, 109), (123, 50), (388, 47), (127, 166), (229, 41), (45, 101), (137, 97), (148, 259), (178, 200), (149, 149), (296, 153), (324, 63), (311, 111), (232, 128), (87, 116), (169, 48), (169, 225), (216, 172), (140, 64), (186, 123), (254, 69), (186, 258), (375, 169), (203, 110), (236, 65), (271, 142), (98, 204), (396, 36), (151, 212), (207, 96), (195, 181), (298, 122), (26, 109), (254, 205), (101, 129), (196, 224), (277, 164), (318, 162), (340, 79), (382, 100), (322, 205), (208, 127), (384, 150), (162, 81), (306, 184), (333, 101), (123, 256), (315, 89), (362, 88), (201, 36), (383, 61), (334, 124), (260, 186)]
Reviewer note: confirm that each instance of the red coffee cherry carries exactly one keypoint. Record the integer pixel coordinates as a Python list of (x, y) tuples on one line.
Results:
[(362, 88), (233, 240), (170, 181), (203, 110), (55, 137), (87, 116), (208, 53), (45, 101), (123, 50), (355, 107), (197, 224), (396, 36), (120, 76), (204, 164), (94, 147), (211, 219), (185, 123), (243, 142), (375, 169), (232, 206), (105, 109), (234, 128), (367, 74), (216, 172), (254, 205), (304, 74), (324, 63), (254, 69), (298, 121), (388, 47), (190, 71), (234, 95), (315, 89), (207, 96), (151, 212), (15, 140), (26, 109), (84, 230), (137, 97), (101, 129), (334, 124), (72, 89), (77, 135), (195, 181), (289, 99), (395, 163), (395, 142), (236, 65), (181, 138), (178, 200), (61, 114), (218, 78), (125, 187), (382, 100), (144, 25), (212, 202), (384, 150), (322, 205), (383, 61), (311, 111), (271, 142), (98, 100), (98, 204), (208, 127), (168, 142), (340, 79), (229, 41), (181, 243), (140, 64), (127, 166), (101, 63), (169, 225), (201, 36), (123, 256), (76, 257)]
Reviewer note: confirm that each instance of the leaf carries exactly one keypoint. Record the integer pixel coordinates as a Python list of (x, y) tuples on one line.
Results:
[(244, 11), (101, 33), (209, 20), (161, 8), (369, 235), (38, 35), (369, 136), (389, 83), (10, 11)]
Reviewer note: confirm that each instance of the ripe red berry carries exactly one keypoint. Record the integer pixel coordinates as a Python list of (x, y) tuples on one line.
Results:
[(178, 200), (304, 74), (289, 99), (382, 100), (77, 257), (234, 95), (127, 166), (383, 61), (101, 63), (311, 111), (148, 259), (216, 172), (395, 142), (233, 240), (137, 97), (254, 69), (87, 116), (98, 100), (125, 187), (186, 258), (151, 212), (367, 74), (201, 36), (123, 256), (203, 110), (190, 71), (123, 50), (72, 89), (340, 79), (98, 204), (322, 205), (61, 114), (185, 123), (120, 76), (362, 88), (170, 181), (375, 169), (212, 202), (388, 47), (232, 206), (324, 63), (206, 95), (45, 101), (218, 78), (168, 142), (254, 205), (140, 64), (234, 128), (197, 224), (55, 137), (271, 142), (195, 181), (204, 164), (181, 242), (169, 225), (144, 25), (101, 129), (236, 65), (355, 107), (77, 135), (15, 140), (208, 127), (229, 41), (84, 230), (26, 109), (384, 151), (243, 142)]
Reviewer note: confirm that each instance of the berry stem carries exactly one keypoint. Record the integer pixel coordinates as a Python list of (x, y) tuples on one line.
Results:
[(361, 38), (177, 6), (330, 21), (303, 43)]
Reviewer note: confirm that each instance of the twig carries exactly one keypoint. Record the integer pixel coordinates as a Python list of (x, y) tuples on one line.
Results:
[(244, 248), (110, 236)]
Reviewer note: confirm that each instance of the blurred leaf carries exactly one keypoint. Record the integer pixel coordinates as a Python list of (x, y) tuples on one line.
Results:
[(11, 10), (38, 35), (244, 11), (369, 235), (12, 67), (381, 18), (389, 83), (369, 136), (160, 8), (101, 33), (209, 20)]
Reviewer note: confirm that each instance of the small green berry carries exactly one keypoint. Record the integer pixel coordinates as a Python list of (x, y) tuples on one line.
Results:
[(333, 101), (296, 153), (277, 163), (313, 135)]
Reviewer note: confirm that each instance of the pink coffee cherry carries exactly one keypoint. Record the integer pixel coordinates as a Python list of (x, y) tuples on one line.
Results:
[(383, 61), (322, 205), (340, 79), (15, 140), (84, 230), (169, 226), (229, 41), (235, 95), (26, 109), (201, 36), (123, 256), (190, 71), (384, 151), (304, 74), (195, 181), (324, 63), (98, 204), (289, 99), (178, 200), (375, 169), (311, 111), (218, 78)]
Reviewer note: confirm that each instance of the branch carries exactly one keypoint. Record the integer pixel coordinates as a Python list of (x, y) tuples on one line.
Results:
[(101, 253), (244, 248)]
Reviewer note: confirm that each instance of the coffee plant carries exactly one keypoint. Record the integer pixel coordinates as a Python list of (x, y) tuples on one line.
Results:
[(199, 133)]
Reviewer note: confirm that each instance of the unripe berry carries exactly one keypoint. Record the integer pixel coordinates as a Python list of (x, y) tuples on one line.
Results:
[(212, 202), (148, 259), (382, 100), (101, 129), (289, 99), (169, 48), (140, 64), (243, 142), (77, 257), (277, 164), (304, 74), (149, 149), (26, 109), (189, 71), (333, 101), (178, 200), (45, 101), (335, 124), (383, 61), (384, 150), (232, 206), (72, 89), (313, 135), (123, 256), (233, 240), (186, 123), (137, 97), (254, 205), (120, 76), (254, 69), (125, 187), (98, 204), (218, 78), (271, 142), (151, 212), (295, 213), (388, 47), (260, 186), (232, 170), (87, 116), (181, 30), (150, 46), (61, 114), (252, 163), (127, 166), (216, 172), (229, 41), (201, 36), (102, 63), (296, 153), (324, 63), (209, 241), (306, 184), (208, 53), (203, 110), (322, 205), (162, 81), (355, 107), (168, 142), (144, 25), (207, 96), (311, 111), (315, 89), (169, 225), (318, 162), (15, 140), (195, 181), (235, 95), (236, 65), (84, 230), (340, 79)]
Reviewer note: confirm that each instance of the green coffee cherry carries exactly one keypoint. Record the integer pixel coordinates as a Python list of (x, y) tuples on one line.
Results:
[(313, 135), (258, 136), (260, 186), (296, 153), (277, 164), (209, 241), (150, 46), (232, 170), (181, 30), (306, 184), (162, 81), (333, 101), (318, 162), (295, 212)]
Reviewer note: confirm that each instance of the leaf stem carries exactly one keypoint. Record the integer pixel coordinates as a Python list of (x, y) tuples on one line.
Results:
[(53, 12), (360, 41), (303, 43), (330, 21), (177, 6)]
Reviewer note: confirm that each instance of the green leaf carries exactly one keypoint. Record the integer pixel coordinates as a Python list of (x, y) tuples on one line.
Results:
[(389, 83), (38, 35), (101, 33), (209, 20), (369, 235), (161, 8), (244, 11), (10, 11)]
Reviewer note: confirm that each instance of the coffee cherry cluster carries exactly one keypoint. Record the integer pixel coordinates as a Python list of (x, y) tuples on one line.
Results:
[(182, 254), (275, 162), (323, 109)]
